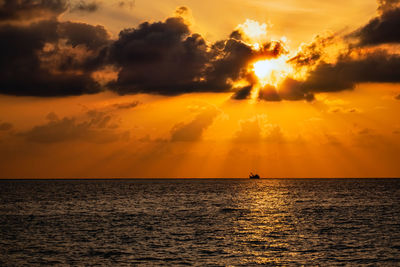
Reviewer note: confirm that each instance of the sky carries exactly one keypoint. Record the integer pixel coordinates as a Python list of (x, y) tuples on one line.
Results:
[(199, 89)]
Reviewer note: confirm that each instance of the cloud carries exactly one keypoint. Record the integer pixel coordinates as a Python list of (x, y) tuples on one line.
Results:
[(93, 37), (376, 67), (99, 127), (397, 97), (353, 64), (25, 10), (55, 58), (332, 140), (368, 138), (386, 5), (243, 93), (249, 131), (69, 58), (256, 129), (269, 93), (344, 111), (275, 135), (159, 58), (294, 90), (167, 58), (310, 54), (290, 89), (193, 131), (5, 126), (128, 105), (384, 29), (85, 6)]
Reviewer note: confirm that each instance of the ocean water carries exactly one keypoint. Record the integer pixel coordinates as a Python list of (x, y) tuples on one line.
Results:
[(234, 222)]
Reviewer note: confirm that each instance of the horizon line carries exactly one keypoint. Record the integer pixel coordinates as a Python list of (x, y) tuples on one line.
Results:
[(202, 178)]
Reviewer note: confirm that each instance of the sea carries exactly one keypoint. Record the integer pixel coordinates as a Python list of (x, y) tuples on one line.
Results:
[(200, 222)]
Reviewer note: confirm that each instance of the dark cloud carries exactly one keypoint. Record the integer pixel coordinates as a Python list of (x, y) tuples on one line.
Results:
[(28, 9), (384, 29), (54, 58), (22, 10), (5, 126), (97, 128), (232, 56), (272, 49), (85, 6), (167, 58), (193, 131), (290, 89), (163, 58), (229, 62), (311, 53), (128, 105), (332, 77), (375, 67), (269, 93), (75, 33), (294, 90), (397, 97), (183, 10), (243, 93), (159, 58), (62, 58)]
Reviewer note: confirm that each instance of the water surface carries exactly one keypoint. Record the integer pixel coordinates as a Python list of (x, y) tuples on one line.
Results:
[(235, 222)]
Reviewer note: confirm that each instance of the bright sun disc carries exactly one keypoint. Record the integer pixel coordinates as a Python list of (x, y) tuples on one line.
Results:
[(271, 71)]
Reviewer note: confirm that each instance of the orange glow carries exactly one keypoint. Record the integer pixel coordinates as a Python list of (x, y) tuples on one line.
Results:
[(214, 100), (271, 71)]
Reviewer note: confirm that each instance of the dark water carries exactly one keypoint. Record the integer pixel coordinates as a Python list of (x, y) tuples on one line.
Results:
[(200, 222)]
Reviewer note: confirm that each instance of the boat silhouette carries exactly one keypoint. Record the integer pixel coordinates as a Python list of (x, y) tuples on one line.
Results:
[(254, 176)]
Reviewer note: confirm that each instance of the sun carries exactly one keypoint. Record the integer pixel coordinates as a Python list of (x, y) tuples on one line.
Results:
[(271, 71)]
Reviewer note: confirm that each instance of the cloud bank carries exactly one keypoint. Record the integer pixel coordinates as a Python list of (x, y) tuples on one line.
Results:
[(61, 58), (54, 58), (98, 127)]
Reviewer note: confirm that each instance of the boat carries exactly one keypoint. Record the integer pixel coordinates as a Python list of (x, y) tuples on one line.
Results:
[(254, 176)]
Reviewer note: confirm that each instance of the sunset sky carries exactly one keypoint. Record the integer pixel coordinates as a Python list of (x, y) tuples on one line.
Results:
[(202, 89)]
